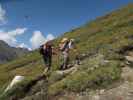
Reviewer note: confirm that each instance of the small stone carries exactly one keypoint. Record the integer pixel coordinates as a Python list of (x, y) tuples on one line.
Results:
[(129, 58)]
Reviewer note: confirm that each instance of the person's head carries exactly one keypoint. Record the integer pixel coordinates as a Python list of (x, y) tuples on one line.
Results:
[(48, 43)]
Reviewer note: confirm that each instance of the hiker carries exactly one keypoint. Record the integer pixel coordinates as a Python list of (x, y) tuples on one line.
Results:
[(46, 50), (73, 48), (64, 48)]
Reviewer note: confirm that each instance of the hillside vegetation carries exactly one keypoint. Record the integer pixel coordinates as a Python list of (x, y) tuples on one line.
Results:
[(104, 42)]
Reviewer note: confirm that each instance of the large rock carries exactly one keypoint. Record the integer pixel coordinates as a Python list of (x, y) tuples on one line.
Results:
[(67, 71), (16, 80), (129, 58)]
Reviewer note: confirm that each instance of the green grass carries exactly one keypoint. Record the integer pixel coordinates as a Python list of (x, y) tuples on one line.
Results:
[(105, 35), (29, 66), (102, 76)]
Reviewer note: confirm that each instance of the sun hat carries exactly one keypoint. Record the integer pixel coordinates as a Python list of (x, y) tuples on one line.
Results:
[(64, 40)]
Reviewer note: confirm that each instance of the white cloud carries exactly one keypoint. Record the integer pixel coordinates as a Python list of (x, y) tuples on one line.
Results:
[(50, 37), (10, 36), (23, 45), (17, 31), (2, 15), (38, 39)]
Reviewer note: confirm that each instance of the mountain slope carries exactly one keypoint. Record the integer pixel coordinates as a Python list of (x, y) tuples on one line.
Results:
[(102, 44), (107, 31), (8, 53)]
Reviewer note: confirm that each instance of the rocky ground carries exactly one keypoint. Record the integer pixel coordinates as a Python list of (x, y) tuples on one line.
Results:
[(120, 91)]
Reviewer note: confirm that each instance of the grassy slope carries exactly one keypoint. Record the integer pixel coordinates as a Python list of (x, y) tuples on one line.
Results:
[(85, 78), (110, 32)]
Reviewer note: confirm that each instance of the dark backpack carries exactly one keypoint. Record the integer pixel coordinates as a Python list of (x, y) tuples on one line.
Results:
[(47, 51), (41, 50)]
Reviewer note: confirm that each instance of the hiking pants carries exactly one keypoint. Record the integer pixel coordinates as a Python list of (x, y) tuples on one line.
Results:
[(65, 60), (47, 61)]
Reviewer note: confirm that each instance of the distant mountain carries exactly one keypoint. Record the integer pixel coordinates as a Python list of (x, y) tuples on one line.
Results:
[(8, 53)]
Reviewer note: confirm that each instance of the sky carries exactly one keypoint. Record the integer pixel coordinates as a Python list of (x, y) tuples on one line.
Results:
[(29, 23)]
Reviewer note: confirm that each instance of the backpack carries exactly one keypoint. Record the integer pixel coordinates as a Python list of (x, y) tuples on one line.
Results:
[(41, 51), (71, 45), (45, 51)]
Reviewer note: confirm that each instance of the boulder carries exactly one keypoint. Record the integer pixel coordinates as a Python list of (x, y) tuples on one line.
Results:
[(129, 58), (16, 80), (67, 71)]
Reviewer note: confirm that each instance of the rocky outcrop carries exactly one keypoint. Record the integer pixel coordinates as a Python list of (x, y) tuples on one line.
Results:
[(38, 91), (129, 58), (15, 81), (120, 91), (35, 89)]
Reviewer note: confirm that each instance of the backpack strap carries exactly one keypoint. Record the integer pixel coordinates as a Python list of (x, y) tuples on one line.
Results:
[(65, 46)]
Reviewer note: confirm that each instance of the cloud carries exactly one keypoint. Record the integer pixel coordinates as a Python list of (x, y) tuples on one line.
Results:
[(10, 36), (49, 37), (18, 31), (23, 45), (38, 39), (2, 15)]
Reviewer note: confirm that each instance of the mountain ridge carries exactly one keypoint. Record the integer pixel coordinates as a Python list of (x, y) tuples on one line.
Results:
[(8, 53)]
